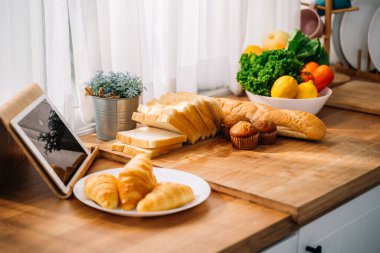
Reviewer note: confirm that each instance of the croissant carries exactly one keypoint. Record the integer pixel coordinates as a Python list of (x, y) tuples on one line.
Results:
[(135, 181), (103, 190), (165, 196)]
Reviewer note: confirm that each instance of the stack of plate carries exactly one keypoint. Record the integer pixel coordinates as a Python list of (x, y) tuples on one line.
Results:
[(358, 30)]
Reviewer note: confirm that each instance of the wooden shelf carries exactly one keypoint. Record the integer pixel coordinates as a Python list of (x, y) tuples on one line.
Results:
[(323, 8)]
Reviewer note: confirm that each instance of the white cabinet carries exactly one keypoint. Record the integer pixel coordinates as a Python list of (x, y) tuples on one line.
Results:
[(288, 244), (351, 228)]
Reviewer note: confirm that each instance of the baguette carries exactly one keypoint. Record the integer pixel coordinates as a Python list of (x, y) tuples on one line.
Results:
[(291, 123)]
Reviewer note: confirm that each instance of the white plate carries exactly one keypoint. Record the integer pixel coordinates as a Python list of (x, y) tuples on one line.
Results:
[(199, 186), (374, 38), (336, 38), (354, 33)]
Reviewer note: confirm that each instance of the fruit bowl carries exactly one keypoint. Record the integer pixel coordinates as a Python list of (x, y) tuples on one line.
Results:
[(310, 105)]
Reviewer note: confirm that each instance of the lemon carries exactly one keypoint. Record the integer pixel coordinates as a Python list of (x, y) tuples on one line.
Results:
[(307, 90), (284, 87)]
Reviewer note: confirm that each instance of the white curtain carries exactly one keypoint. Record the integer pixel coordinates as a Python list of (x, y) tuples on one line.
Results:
[(35, 47), (175, 45), (21, 48), (185, 45)]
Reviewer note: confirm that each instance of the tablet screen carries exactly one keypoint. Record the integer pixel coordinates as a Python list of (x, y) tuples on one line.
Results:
[(51, 138)]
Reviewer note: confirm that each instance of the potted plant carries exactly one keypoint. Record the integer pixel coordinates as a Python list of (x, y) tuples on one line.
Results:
[(116, 97)]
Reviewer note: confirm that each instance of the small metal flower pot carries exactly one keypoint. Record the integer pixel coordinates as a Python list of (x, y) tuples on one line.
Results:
[(114, 115)]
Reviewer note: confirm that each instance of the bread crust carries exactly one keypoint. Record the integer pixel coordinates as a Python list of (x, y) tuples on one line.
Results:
[(291, 123)]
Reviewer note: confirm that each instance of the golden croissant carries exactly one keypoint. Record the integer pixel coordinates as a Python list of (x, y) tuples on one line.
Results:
[(165, 196), (135, 181), (103, 190)]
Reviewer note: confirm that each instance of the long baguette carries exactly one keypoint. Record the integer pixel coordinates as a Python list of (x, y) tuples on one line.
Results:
[(291, 123)]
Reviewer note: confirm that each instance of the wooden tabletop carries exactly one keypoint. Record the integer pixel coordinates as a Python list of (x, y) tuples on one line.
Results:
[(303, 178), (32, 219)]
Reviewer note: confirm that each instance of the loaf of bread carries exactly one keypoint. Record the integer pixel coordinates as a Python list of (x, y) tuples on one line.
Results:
[(290, 123), (195, 116)]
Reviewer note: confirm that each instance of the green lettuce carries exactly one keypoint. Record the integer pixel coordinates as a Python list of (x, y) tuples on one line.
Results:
[(307, 49), (258, 72)]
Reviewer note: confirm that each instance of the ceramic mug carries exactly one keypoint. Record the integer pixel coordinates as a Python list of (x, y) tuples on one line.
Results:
[(311, 23)]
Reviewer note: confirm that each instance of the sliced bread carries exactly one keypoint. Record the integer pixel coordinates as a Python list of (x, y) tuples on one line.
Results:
[(167, 122), (174, 111), (132, 151), (150, 137)]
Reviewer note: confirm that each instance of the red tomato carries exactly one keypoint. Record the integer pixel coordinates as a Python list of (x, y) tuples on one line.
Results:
[(307, 76), (307, 70), (323, 76)]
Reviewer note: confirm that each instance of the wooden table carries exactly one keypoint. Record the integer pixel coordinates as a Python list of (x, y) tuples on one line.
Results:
[(32, 219), (303, 178)]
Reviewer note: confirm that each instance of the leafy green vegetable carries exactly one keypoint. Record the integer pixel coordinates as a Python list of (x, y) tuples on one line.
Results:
[(258, 73), (307, 49)]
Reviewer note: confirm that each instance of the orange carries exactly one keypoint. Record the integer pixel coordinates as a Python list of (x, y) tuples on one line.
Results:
[(253, 49)]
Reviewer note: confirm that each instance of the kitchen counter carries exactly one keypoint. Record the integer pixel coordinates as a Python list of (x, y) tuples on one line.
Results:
[(33, 220)]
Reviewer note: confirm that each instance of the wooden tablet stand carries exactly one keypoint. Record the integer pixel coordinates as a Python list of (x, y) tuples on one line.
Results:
[(7, 112)]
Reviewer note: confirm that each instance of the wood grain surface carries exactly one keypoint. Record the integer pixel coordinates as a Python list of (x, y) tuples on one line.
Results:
[(358, 96), (302, 178), (32, 219)]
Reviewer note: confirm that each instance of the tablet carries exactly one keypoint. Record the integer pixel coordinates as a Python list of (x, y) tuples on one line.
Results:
[(55, 146)]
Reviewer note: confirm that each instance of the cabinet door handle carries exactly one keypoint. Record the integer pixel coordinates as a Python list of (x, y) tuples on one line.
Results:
[(317, 249)]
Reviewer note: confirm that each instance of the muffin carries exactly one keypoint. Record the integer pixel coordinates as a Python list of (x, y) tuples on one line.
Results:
[(244, 135), (229, 121), (268, 131)]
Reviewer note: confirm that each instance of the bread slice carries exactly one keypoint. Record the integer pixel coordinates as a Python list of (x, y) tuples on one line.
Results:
[(207, 109), (150, 152), (150, 137), (118, 146), (141, 118), (206, 116), (167, 122), (178, 112), (188, 111), (213, 105)]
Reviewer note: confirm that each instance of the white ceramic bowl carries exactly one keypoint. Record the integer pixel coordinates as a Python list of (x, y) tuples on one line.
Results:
[(311, 105)]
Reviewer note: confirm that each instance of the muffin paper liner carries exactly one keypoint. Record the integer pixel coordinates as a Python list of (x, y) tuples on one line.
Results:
[(249, 142), (267, 138)]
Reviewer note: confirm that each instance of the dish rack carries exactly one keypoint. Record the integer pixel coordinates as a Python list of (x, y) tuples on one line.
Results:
[(328, 15), (339, 67)]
